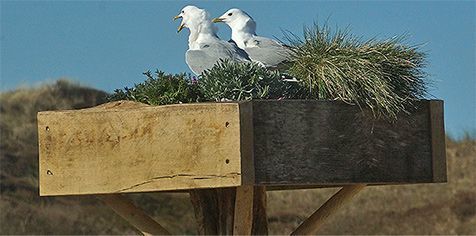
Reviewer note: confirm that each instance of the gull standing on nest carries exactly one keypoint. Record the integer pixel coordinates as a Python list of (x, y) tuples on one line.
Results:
[(265, 51), (204, 47)]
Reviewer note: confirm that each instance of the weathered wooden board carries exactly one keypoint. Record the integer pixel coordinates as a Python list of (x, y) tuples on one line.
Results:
[(131, 147), (331, 143)]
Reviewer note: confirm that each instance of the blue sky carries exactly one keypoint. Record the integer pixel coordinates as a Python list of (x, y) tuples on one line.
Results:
[(108, 44)]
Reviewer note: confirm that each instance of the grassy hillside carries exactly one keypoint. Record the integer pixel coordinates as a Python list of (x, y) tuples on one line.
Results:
[(417, 209)]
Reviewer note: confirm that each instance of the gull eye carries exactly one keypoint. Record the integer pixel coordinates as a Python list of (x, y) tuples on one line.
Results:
[(229, 14), (183, 12)]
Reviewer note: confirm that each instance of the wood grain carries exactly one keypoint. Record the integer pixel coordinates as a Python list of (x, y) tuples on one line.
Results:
[(302, 143), (130, 147)]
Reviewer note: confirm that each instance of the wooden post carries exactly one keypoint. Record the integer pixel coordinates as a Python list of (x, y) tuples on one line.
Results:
[(226, 211), (226, 208), (205, 205), (260, 219), (243, 219), (132, 214), (312, 224)]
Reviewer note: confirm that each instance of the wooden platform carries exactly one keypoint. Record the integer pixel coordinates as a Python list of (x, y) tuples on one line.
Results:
[(123, 146), (227, 155)]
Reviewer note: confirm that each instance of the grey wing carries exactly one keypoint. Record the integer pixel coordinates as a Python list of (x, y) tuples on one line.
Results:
[(242, 55), (268, 52), (198, 61), (209, 54)]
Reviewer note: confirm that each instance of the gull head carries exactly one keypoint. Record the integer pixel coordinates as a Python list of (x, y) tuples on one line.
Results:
[(188, 14), (199, 23), (237, 20), (193, 18)]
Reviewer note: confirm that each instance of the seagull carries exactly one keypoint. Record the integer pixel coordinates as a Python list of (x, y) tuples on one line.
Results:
[(265, 51), (205, 49)]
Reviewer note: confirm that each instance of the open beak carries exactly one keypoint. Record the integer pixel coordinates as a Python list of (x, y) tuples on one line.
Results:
[(181, 26), (218, 19)]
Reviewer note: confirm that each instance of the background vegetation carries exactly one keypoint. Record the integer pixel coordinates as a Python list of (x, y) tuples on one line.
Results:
[(412, 209)]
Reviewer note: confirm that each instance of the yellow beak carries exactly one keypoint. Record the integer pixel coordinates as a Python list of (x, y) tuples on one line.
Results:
[(216, 20), (181, 26)]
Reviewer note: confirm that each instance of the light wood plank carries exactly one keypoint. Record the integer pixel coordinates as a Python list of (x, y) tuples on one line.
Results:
[(131, 147), (243, 210)]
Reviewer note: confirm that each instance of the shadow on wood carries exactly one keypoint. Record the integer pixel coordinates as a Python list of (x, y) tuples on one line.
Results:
[(215, 211)]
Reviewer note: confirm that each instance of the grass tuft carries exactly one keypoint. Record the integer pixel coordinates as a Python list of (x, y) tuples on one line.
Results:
[(385, 76)]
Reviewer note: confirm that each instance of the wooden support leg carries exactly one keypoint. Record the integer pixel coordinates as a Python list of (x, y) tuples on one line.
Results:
[(227, 211), (226, 208), (243, 219), (312, 224), (205, 205), (260, 219), (132, 214)]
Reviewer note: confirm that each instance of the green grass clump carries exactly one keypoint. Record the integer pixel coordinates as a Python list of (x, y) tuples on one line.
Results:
[(160, 89), (229, 80), (385, 76)]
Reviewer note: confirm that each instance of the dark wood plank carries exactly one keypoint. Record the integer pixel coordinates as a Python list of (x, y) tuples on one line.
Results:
[(246, 143), (329, 142), (438, 146)]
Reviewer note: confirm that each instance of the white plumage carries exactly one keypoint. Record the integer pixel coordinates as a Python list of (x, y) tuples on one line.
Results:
[(205, 48), (265, 51)]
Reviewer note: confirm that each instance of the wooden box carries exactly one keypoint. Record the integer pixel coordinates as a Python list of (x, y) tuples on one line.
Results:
[(125, 146)]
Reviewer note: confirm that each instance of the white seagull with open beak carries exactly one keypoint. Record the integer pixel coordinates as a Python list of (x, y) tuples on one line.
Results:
[(205, 49)]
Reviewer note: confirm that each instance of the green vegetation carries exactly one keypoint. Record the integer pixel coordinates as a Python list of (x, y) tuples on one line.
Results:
[(226, 81), (385, 76), (246, 81), (412, 209), (160, 89)]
